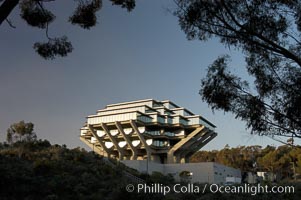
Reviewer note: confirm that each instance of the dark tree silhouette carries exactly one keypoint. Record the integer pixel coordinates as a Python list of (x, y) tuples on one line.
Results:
[(36, 14), (21, 132), (268, 34)]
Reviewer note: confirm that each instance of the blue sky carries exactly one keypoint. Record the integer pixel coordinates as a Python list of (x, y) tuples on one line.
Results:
[(127, 56)]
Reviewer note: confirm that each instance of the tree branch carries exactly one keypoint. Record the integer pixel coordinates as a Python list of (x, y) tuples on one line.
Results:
[(6, 8), (275, 46), (271, 108), (10, 24)]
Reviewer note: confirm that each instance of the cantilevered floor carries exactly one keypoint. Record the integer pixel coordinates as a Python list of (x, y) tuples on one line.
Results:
[(159, 131)]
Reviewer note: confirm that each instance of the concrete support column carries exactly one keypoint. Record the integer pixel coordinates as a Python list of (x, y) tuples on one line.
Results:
[(170, 157), (127, 139), (91, 129), (182, 160), (113, 140), (142, 139), (209, 135), (171, 152)]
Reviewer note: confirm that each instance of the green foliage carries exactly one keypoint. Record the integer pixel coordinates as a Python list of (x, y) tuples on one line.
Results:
[(158, 177), (85, 13), (54, 172), (20, 131), (268, 34), (36, 14), (54, 47), (184, 173), (279, 160), (128, 4)]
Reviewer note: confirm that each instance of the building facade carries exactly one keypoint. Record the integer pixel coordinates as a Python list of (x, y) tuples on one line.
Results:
[(156, 131), (205, 172)]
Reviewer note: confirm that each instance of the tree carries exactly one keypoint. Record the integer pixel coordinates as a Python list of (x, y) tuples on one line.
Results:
[(36, 14), (21, 132), (268, 34), (185, 176)]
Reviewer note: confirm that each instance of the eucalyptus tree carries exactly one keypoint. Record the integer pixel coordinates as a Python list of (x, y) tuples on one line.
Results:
[(21, 132), (36, 14), (267, 32)]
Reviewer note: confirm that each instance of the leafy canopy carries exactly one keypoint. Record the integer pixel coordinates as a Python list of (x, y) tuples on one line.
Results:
[(267, 32), (279, 160), (21, 131), (36, 14)]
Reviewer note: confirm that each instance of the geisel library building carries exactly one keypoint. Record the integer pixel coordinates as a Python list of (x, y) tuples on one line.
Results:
[(150, 135)]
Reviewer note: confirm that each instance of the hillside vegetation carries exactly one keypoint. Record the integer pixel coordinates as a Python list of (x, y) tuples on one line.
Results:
[(37, 170), (285, 161)]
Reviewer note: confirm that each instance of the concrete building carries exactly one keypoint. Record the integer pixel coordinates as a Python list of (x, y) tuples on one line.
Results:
[(159, 131), (151, 135), (205, 172), (267, 176)]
